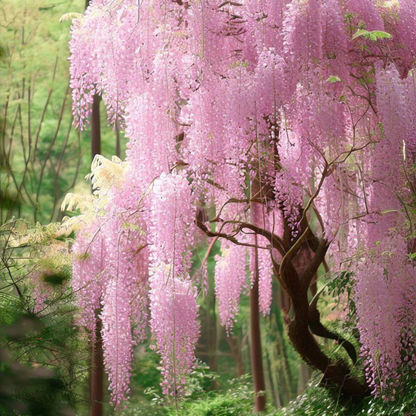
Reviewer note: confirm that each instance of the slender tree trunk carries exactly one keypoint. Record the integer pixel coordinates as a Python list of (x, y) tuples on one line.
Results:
[(97, 373), (212, 336), (303, 377), (97, 356), (118, 147), (95, 127), (236, 353), (256, 351), (272, 379)]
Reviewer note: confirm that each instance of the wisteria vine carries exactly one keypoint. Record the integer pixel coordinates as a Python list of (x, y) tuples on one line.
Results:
[(314, 101)]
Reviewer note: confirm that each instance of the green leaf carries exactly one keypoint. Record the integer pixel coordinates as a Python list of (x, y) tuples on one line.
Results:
[(373, 35), (360, 32), (333, 78), (381, 34)]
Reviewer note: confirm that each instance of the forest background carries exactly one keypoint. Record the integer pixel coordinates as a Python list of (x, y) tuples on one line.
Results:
[(45, 361)]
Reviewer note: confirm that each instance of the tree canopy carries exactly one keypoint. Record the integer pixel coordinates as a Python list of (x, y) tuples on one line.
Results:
[(285, 130)]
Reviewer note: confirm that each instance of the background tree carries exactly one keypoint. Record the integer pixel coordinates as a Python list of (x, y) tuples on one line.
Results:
[(40, 152), (40, 157), (37, 139)]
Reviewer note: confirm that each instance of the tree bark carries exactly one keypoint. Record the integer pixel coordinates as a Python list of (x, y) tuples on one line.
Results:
[(255, 332), (256, 351), (95, 127), (306, 345), (97, 355), (97, 373), (297, 271), (236, 353), (118, 146), (212, 336)]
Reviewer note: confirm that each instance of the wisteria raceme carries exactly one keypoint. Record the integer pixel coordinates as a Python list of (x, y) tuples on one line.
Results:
[(265, 281), (302, 30), (335, 40), (264, 19), (123, 286), (174, 325), (401, 24), (106, 275), (409, 100), (89, 252), (302, 98), (261, 266), (290, 198), (386, 332), (388, 155), (172, 229), (230, 278), (116, 334), (173, 304), (270, 80), (110, 263), (365, 14), (265, 273)]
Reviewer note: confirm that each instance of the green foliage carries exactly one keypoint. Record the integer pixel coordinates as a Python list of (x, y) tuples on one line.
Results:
[(373, 35), (221, 405), (333, 78), (41, 153), (42, 363), (319, 401), (43, 360), (32, 389), (146, 374), (235, 398), (38, 148), (341, 289)]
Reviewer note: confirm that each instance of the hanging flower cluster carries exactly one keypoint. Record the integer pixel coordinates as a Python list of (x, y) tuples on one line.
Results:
[(172, 295), (385, 290)]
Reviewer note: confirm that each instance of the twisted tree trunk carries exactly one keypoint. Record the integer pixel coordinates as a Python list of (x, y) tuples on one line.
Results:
[(297, 273), (296, 267)]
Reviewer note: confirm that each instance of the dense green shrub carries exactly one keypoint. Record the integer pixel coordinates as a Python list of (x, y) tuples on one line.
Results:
[(320, 401)]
